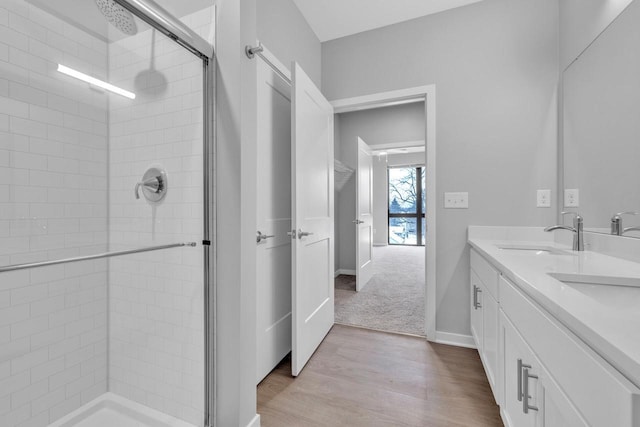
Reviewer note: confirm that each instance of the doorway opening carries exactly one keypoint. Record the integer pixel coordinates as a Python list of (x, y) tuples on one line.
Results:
[(426, 95), (380, 219), (406, 209)]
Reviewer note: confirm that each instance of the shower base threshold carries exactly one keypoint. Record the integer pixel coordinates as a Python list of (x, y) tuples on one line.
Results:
[(111, 410)]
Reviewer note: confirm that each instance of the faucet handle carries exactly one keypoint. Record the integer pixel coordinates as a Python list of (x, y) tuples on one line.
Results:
[(616, 223), (571, 213), (577, 218), (619, 214)]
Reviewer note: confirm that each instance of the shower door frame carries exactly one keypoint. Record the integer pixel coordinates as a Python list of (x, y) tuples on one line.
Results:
[(208, 243)]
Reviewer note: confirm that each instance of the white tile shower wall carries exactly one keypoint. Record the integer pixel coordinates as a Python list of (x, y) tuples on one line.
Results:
[(53, 204), (156, 354)]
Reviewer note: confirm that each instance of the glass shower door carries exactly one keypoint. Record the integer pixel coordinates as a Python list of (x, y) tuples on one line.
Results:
[(97, 108)]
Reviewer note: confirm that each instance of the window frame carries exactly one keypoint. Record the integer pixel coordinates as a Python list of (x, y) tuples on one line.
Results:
[(419, 215)]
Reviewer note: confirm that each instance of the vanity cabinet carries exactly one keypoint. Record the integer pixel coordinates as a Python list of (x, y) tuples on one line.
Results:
[(531, 396), (484, 315), (540, 372)]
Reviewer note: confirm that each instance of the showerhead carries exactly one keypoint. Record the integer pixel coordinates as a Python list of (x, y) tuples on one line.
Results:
[(118, 16)]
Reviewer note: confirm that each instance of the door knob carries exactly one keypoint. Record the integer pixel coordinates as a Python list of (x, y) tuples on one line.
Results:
[(302, 234), (357, 221), (260, 237)]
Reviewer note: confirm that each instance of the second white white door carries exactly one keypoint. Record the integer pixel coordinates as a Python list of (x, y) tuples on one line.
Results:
[(273, 263), (364, 216)]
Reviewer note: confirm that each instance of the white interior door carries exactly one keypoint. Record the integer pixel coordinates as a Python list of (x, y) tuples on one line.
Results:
[(273, 170), (364, 216), (312, 200)]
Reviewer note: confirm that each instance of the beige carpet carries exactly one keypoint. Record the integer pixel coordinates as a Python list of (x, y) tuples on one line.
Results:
[(393, 300)]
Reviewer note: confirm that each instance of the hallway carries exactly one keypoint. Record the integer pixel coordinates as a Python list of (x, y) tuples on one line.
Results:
[(367, 378)]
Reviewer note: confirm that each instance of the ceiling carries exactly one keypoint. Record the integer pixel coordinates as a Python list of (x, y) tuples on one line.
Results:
[(332, 19)]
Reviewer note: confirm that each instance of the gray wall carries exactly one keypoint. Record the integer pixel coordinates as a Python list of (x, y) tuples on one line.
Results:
[(495, 65), (237, 26), (285, 32), (380, 190), (402, 123), (581, 21)]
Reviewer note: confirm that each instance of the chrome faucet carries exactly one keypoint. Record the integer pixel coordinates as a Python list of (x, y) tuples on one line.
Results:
[(616, 224), (578, 240), (630, 229)]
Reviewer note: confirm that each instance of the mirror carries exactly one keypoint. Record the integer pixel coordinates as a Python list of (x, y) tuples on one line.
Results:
[(601, 134)]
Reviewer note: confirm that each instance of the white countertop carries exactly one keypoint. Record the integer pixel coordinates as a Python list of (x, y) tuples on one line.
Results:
[(607, 318)]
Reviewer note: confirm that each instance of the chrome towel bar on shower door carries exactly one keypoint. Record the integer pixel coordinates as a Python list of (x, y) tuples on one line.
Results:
[(95, 256)]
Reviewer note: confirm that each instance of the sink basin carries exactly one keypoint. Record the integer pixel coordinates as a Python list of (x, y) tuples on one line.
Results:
[(588, 279), (534, 249)]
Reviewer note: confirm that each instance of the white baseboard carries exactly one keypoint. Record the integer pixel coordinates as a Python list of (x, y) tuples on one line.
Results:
[(255, 422), (345, 272), (457, 340)]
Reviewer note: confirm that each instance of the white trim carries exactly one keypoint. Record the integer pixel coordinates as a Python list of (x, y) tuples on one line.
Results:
[(405, 144), (426, 94), (255, 422), (382, 99), (457, 340), (430, 252), (345, 272)]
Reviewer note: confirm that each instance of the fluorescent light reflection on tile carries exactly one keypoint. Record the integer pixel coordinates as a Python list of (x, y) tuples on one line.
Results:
[(96, 82)]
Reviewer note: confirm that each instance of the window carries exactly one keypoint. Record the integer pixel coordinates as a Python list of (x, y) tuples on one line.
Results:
[(406, 205)]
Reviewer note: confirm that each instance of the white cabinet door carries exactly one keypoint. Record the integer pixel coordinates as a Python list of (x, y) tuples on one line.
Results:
[(520, 377), (490, 315), (531, 396), (476, 311), (558, 409)]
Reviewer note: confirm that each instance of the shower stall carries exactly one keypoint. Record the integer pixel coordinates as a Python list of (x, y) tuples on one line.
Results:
[(106, 288)]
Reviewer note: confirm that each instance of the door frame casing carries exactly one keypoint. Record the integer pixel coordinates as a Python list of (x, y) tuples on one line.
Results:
[(426, 94)]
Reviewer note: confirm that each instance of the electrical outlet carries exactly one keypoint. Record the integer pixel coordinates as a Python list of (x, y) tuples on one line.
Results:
[(544, 198), (456, 200), (571, 198)]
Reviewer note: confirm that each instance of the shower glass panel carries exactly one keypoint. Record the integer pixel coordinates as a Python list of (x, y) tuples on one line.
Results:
[(88, 103)]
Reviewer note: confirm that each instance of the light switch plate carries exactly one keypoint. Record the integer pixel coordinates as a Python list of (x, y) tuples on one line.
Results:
[(571, 198), (544, 198), (456, 200)]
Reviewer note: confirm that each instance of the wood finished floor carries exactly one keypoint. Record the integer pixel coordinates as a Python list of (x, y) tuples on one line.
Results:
[(367, 378)]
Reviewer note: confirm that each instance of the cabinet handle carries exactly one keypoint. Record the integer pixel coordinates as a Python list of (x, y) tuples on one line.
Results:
[(475, 307), (521, 366), (475, 297), (476, 302), (525, 391)]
